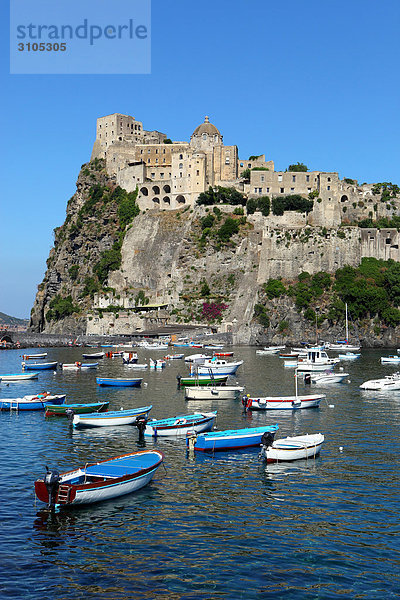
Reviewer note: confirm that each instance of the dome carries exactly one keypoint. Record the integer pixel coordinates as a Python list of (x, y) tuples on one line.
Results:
[(206, 127)]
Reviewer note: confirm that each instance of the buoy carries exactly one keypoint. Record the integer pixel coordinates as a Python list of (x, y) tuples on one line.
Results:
[(145, 384), (331, 405), (340, 448)]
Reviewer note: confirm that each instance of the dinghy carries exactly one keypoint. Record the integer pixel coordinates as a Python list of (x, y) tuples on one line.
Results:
[(76, 366), (34, 356), (64, 410), (39, 366), (111, 418), (181, 425), (349, 356), (119, 381), (291, 448), (18, 376), (157, 364), (223, 392), (231, 439), (282, 402), (37, 402), (95, 355), (103, 480), (270, 350), (202, 380)]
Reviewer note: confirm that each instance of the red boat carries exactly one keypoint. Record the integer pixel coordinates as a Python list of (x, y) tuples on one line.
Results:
[(223, 354)]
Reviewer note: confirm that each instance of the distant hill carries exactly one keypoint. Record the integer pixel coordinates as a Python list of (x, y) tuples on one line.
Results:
[(7, 320)]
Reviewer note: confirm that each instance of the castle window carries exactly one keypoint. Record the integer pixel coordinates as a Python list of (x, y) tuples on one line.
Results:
[(307, 178), (282, 190), (148, 160), (294, 178), (204, 136), (292, 189), (156, 150), (163, 151), (249, 165), (279, 177), (255, 190), (153, 174), (180, 174), (329, 178), (262, 178), (181, 165), (328, 187), (181, 156), (163, 160), (156, 160), (148, 151), (241, 164), (197, 173), (161, 175), (308, 189), (141, 152), (227, 160), (267, 190)]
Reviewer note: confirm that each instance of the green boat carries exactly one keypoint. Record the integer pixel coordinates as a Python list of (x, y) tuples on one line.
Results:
[(202, 380), (52, 410)]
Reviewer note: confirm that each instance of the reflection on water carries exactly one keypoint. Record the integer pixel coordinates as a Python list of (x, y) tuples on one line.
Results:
[(223, 525)]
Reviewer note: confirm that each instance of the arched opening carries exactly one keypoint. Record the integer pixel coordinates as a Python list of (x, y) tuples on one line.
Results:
[(181, 199), (166, 200), (156, 200), (156, 189), (144, 191), (167, 189), (344, 199)]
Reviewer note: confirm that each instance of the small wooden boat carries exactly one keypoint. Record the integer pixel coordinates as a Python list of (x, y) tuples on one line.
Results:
[(112, 418), (53, 410), (94, 355), (34, 356), (33, 402), (174, 356), (181, 425), (390, 359), (129, 358), (114, 354), (270, 349), (222, 392), (325, 378), (217, 366), (202, 380), (79, 365), (282, 402), (231, 439), (18, 376), (103, 480), (39, 366), (197, 358), (213, 346), (137, 365), (119, 381), (223, 354), (291, 448), (349, 356)]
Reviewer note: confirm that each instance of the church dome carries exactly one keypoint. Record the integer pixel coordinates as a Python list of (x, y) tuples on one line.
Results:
[(206, 127)]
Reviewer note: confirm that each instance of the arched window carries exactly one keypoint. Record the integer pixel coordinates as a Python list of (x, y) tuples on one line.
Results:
[(167, 189), (156, 189), (156, 200), (181, 199), (144, 191), (344, 199), (167, 200), (181, 165)]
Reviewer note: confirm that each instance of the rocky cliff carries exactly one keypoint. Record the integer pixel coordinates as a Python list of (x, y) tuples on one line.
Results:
[(115, 269)]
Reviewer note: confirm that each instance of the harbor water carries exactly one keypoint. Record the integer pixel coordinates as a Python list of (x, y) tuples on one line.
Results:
[(222, 526)]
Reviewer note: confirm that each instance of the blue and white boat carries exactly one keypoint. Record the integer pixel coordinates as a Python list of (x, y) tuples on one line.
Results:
[(18, 376), (120, 381), (99, 481), (111, 418), (217, 366), (230, 439), (76, 366), (37, 402), (181, 425), (39, 366)]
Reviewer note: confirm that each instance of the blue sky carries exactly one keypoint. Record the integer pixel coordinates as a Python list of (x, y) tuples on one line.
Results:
[(315, 82)]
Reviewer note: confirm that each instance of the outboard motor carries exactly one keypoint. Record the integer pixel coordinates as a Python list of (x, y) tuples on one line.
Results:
[(141, 425), (70, 414), (307, 378), (267, 439), (52, 481)]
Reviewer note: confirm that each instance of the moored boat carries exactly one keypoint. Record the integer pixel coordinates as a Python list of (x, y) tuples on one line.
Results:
[(217, 366), (282, 402), (388, 383), (53, 410), (231, 439), (99, 481), (349, 356), (34, 356), (393, 359), (270, 349), (202, 380), (157, 364), (181, 425), (94, 355), (39, 366), (119, 381), (78, 365), (316, 360), (111, 418), (129, 358), (291, 448), (173, 356), (18, 376), (325, 378), (197, 358), (32, 402), (222, 392)]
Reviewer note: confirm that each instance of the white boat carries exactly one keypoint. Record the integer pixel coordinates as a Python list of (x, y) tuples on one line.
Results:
[(225, 392), (197, 359), (95, 355), (173, 356), (316, 360), (343, 345), (18, 376), (292, 448), (324, 378), (390, 359), (111, 418), (157, 364), (217, 366), (290, 363), (270, 350), (76, 366), (129, 358), (136, 365), (34, 356), (181, 425), (388, 383), (214, 346), (282, 402), (349, 356), (153, 346)]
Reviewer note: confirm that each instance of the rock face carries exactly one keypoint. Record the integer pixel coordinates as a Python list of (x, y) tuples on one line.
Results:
[(170, 268)]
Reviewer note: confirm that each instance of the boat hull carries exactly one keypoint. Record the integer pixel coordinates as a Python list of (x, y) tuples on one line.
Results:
[(119, 382), (283, 402), (19, 376), (206, 380), (40, 366), (293, 448), (181, 426), (229, 440), (213, 393), (102, 486), (53, 410), (38, 402), (110, 419)]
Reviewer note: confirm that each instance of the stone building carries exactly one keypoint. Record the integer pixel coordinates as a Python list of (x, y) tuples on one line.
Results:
[(171, 174)]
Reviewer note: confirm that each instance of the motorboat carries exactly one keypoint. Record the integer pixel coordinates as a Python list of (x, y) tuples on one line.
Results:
[(316, 359), (393, 359), (270, 350), (325, 378), (388, 383), (349, 356)]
